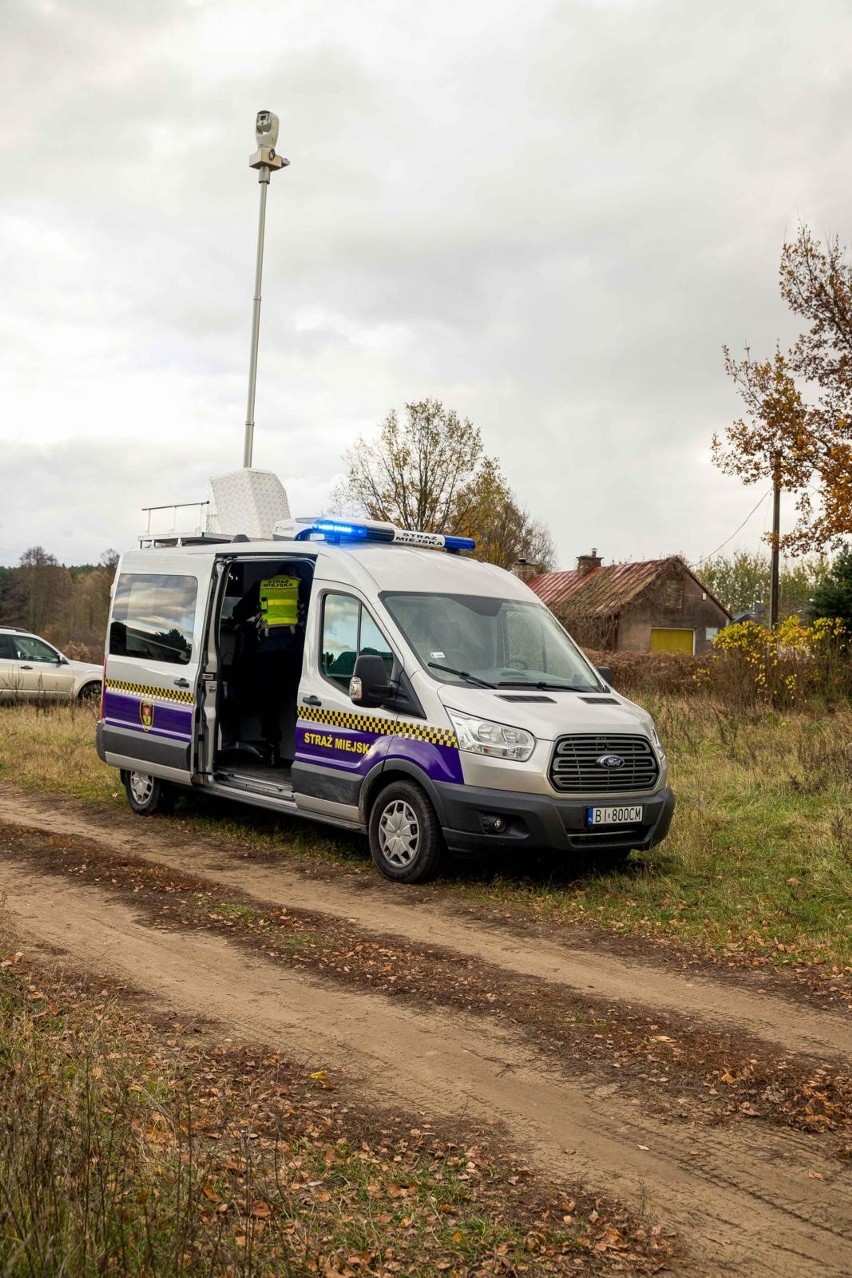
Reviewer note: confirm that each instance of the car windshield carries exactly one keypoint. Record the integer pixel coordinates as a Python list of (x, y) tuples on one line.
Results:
[(500, 643)]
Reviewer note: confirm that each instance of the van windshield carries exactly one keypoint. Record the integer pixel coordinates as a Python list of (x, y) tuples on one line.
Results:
[(499, 643)]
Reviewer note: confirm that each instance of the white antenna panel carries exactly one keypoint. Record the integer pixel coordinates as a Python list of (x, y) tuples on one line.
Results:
[(248, 501)]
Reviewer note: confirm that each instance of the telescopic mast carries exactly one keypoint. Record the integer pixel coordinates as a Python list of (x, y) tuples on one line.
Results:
[(267, 161)]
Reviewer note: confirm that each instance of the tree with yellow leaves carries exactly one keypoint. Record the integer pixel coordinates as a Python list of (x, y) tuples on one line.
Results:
[(770, 444), (816, 283), (806, 447), (430, 471), (773, 441)]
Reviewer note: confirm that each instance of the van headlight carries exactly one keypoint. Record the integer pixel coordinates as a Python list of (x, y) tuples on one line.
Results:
[(655, 737), (481, 736)]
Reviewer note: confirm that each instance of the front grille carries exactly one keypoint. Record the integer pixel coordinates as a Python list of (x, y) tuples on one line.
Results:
[(617, 836), (574, 768)]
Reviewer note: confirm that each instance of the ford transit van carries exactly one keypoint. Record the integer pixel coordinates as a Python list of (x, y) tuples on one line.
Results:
[(376, 680)]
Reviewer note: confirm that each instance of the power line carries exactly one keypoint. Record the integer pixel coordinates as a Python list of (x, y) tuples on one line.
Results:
[(733, 534)]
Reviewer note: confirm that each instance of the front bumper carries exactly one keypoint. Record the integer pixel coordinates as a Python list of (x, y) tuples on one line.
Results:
[(539, 823)]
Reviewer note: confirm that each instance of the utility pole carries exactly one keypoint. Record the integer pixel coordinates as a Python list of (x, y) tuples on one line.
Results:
[(774, 601), (267, 162)]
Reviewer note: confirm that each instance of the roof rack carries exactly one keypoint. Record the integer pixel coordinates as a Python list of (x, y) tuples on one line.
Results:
[(169, 535), (336, 531), (200, 539)]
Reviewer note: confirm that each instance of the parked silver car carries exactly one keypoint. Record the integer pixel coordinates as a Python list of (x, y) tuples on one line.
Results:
[(31, 669)]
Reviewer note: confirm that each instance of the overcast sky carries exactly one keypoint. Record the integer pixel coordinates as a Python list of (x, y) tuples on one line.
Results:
[(549, 214)]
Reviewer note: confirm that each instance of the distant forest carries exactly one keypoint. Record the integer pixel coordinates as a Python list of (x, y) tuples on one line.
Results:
[(68, 606)]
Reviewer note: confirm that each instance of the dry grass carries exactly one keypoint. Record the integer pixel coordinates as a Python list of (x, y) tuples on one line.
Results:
[(133, 1150), (53, 748), (758, 861), (759, 858), (751, 671)]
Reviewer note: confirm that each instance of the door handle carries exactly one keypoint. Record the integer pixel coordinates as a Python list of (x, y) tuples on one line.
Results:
[(311, 701), (181, 683), (26, 667)]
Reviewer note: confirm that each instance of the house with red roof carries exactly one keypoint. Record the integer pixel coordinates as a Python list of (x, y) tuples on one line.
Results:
[(655, 606)]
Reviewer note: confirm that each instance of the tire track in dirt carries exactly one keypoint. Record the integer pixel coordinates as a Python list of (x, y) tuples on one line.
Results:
[(766, 1016), (744, 1204)]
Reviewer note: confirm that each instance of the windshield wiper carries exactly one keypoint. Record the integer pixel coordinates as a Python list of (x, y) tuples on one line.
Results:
[(463, 674), (541, 683)]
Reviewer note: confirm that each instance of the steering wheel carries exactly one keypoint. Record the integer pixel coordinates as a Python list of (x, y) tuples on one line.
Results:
[(516, 663)]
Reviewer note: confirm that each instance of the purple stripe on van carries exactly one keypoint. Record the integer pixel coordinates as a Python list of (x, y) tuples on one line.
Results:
[(337, 748), (124, 711), (357, 752), (439, 762)]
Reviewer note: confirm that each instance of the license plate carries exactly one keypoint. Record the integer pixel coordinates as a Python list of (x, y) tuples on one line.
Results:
[(614, 816)]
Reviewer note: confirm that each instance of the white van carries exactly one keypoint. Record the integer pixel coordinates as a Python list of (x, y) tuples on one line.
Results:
[(380, 681)]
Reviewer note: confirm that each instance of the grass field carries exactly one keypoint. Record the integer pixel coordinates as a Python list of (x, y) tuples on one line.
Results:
[(758, 861), (133, 1151)]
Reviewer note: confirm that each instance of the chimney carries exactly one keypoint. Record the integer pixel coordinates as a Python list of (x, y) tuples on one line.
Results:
[(588, 563), (525, 570)]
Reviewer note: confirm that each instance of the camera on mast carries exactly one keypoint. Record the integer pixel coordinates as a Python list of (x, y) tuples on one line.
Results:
[(266, 129)]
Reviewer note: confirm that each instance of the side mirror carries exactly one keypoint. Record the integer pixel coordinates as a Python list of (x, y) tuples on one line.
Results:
[(369, 685), (605, 673), (63, 661)]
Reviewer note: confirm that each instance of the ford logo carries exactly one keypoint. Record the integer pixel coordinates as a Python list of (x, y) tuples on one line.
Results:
[(610, 761)]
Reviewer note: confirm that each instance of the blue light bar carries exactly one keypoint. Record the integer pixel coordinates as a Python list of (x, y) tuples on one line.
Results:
[(345, 530), (338, 530), (457, 544)]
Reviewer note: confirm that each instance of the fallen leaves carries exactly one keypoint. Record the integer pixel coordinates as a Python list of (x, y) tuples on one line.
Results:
[(710, 1072)]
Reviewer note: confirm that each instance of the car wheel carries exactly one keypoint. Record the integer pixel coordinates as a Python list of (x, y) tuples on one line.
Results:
[(145, 794), (89, 693), (405, 838)]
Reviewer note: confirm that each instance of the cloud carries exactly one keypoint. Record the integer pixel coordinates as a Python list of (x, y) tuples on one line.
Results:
[(550, 216)]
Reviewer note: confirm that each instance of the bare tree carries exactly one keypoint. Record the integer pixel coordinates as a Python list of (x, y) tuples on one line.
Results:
[(45, 588), (420, 473), (430, 471)]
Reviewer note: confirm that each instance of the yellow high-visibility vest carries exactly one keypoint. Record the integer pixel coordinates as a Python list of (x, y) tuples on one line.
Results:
[(279, 601)]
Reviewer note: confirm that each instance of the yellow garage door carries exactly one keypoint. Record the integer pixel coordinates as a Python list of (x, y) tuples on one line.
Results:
[(672, 640)]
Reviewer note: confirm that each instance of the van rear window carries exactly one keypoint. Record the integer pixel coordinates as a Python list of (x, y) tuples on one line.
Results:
[(153, 616)]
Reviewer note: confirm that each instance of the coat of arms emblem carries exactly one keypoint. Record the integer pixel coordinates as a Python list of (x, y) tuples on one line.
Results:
[(146, 714)]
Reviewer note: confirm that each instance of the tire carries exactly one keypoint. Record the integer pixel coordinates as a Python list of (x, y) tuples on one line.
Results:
[(145, 794), (89, 694), (405, 838)]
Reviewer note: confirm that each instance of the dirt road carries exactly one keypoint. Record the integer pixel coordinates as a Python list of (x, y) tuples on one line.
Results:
[(749, 1192)]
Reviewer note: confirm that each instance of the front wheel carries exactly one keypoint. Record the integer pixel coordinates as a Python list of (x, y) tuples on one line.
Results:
[(405, 838), (145, 794)]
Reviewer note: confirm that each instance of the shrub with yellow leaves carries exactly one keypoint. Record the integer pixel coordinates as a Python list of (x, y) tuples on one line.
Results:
[(797, 659)]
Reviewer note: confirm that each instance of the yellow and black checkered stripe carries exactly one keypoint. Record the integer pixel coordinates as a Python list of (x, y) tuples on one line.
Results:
[(145, 690), (382, 727)]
